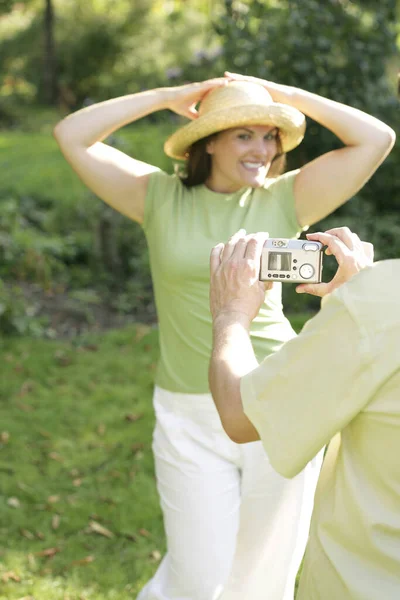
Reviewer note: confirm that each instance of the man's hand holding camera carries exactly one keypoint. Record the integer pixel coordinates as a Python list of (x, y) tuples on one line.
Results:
[(235, 267), (235, 286), (236, 295), (351, 254)]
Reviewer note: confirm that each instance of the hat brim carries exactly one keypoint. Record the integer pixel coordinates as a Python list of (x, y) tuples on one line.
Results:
[(290, 121)]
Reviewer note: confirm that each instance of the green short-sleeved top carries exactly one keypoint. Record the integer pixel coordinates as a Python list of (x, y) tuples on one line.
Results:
[(181, 226)]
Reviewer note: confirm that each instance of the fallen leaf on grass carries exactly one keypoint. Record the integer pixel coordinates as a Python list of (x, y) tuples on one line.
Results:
[(83, 561), (88, 348), (10, 575), (77, 482), (101, 429), (13, 502), (62, 358), (40, 535), (115, 474), (53, 499), (144, 532), (155, 555), (141, 331), (137, 446), (26, 387), (95, 527), (49, 552), (4, 437), (27, 534), (55, 522), (132, 418), (56, 456), (44, 433), (31, 561)]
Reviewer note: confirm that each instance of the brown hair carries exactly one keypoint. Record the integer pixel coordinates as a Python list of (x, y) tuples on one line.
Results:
[(198, 164)]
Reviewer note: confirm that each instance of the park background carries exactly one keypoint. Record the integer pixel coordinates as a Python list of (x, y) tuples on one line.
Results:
[(79, 515)]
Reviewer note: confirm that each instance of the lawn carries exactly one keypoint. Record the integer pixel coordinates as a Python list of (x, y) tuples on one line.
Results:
[(32, 164), (79, 514)]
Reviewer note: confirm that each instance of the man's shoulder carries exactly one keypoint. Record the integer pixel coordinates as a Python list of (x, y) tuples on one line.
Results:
[(380, 278), (372, 295)]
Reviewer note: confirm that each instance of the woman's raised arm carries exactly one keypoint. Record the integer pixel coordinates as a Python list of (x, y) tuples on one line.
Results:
[(333, 178), (115, 177)]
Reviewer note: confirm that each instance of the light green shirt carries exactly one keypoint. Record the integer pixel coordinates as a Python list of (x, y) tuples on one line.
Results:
[(342, 374), (182, 225)]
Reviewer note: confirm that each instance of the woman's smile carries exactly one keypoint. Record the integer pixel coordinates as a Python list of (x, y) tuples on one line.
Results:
[(241, 157)]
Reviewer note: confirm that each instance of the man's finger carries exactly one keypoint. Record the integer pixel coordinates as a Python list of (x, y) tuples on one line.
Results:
[(230, 245), (315, 289), (255, 244), (215, 257), (335, 246), (345, 234), (368, 249), (239, 248), (268, 285)]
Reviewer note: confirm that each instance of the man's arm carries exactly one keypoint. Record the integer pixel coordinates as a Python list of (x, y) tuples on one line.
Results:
[(232, 358), (294, 375), (301, 396), (236, 295)]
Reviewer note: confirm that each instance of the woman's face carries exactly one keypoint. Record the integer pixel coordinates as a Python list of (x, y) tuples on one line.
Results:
[(241, 157)]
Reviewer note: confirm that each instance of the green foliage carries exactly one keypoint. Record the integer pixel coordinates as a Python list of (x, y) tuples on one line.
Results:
[(341, 50), (54, 232), (17, 316)]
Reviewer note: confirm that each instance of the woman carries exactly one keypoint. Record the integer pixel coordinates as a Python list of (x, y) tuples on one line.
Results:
[(235, 529)]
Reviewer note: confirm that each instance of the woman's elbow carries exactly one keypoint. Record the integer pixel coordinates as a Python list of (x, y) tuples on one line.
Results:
[(58, 132), (388, 139)]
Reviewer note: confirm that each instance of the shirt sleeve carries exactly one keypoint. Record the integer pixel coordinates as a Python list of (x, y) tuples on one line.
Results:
[(283, 188), (300, 397), (161, 188)]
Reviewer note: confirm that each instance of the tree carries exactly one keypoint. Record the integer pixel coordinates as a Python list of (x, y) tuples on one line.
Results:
[(45, 12)]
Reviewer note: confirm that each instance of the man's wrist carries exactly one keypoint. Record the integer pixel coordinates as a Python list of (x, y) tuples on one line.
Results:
[(227, 318)]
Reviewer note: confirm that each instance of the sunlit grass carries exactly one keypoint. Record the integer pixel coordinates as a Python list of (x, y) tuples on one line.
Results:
[(31, 163), (75, 457), (76, 424)]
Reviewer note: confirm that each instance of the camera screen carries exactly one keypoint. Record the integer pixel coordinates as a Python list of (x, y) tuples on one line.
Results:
[(279, 261)]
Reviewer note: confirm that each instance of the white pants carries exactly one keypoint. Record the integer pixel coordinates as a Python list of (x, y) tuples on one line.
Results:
[(236, 530)]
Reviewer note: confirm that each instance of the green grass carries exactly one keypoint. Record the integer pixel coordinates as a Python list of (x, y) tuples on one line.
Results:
[(76, 423), (31, 163), (73, 452)]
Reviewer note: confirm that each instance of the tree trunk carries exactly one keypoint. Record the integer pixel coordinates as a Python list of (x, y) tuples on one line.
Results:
[(49, 66)]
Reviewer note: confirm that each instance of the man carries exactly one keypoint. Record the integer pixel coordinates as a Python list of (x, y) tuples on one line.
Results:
[(337, 382)]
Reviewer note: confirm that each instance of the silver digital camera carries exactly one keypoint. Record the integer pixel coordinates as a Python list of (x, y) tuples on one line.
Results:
[(291, 261)]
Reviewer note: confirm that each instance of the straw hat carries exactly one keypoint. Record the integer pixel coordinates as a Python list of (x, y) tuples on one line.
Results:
[(236, 104)]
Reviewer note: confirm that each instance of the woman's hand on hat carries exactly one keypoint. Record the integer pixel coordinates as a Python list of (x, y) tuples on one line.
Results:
[(350, 252), (183, 99), (235, 288), (279, 92)]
